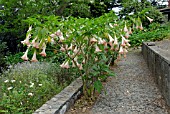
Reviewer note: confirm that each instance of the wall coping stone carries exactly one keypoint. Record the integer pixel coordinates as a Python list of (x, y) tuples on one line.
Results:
[(61, 102)]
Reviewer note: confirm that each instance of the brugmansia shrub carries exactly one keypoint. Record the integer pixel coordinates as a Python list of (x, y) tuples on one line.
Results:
[(89, 45), (27, 86)]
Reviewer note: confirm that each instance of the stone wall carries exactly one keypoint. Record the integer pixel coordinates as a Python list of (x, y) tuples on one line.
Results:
[(61, 102), (159, 64)]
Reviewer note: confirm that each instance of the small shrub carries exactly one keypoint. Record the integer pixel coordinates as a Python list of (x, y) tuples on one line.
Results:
[(26, 86)]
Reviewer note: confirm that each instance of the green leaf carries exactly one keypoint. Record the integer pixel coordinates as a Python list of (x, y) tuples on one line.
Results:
[(98, 85)]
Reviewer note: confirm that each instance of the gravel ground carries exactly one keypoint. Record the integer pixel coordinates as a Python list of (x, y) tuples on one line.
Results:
[(132, 91)]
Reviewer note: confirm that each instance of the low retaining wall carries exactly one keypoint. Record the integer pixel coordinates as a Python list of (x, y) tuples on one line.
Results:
[(158, 62), (60, 103)]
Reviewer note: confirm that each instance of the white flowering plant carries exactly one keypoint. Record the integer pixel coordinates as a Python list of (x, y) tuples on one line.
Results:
[(90, 45), (27, 86)]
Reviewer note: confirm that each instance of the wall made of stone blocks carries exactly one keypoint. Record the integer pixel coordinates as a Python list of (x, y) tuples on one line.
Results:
[(61, 102), (159, 65)]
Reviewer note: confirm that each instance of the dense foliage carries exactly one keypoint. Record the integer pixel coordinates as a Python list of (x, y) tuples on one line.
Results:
[(27, 86)]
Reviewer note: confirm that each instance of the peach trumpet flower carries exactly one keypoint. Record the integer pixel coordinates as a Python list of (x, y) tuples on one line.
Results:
[(65, 65), (93, 40), (110, 40), (26, 41), (43, 53), (141, 27), (115, 41), (59, 33), (71, 47), (121, 50), (25, 57), (125, 28), (97, 49), (127, 35), (34, 59)]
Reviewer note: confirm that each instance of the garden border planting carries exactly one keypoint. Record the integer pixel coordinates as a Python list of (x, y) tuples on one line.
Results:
[(61, 102), (159, 64)]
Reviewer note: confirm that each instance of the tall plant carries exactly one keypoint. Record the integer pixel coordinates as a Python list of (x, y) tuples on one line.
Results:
[(88, 44)]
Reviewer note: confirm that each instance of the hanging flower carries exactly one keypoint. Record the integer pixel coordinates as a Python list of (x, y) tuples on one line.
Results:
[(61, 39), (121, 50), (73, 65), (141, 27), (26, 41), (97, 49), (111, 40), (115, 41), (75, 50), (66, 65), (25, 57), (130, 30), (53, 35), (71, 47), (80, 67), (43, 53), (125, 28), (34, 59), (29, 29), (93, 40), (34, 43), (127, 35), (150, 19), (62, 48), (83, 61), (59, 33)]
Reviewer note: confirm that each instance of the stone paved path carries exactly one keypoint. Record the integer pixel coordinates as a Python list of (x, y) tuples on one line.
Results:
[(132, 91)]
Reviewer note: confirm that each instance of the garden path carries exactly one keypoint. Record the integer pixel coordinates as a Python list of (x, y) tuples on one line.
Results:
[(132, 91)]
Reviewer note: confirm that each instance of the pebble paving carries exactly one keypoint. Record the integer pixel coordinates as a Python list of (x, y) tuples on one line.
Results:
[(132, 90)]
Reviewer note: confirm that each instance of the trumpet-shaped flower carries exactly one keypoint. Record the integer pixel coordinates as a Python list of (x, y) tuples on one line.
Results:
[(34, 43), (43, 53), (71, 47), (53, 35), (61, 38), (125, 28), (26, 41), (25, 57), (141, 27), (65, 65), (115, 40), (29, 29), (130, 30), (34, 59), (111, 40), (59, 33), (80, 67), (150, 19), (73, 65), (93, 40), (62, 48), (83, 61), (121, 50), (97, 49), (75, 50), (127, 35)]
